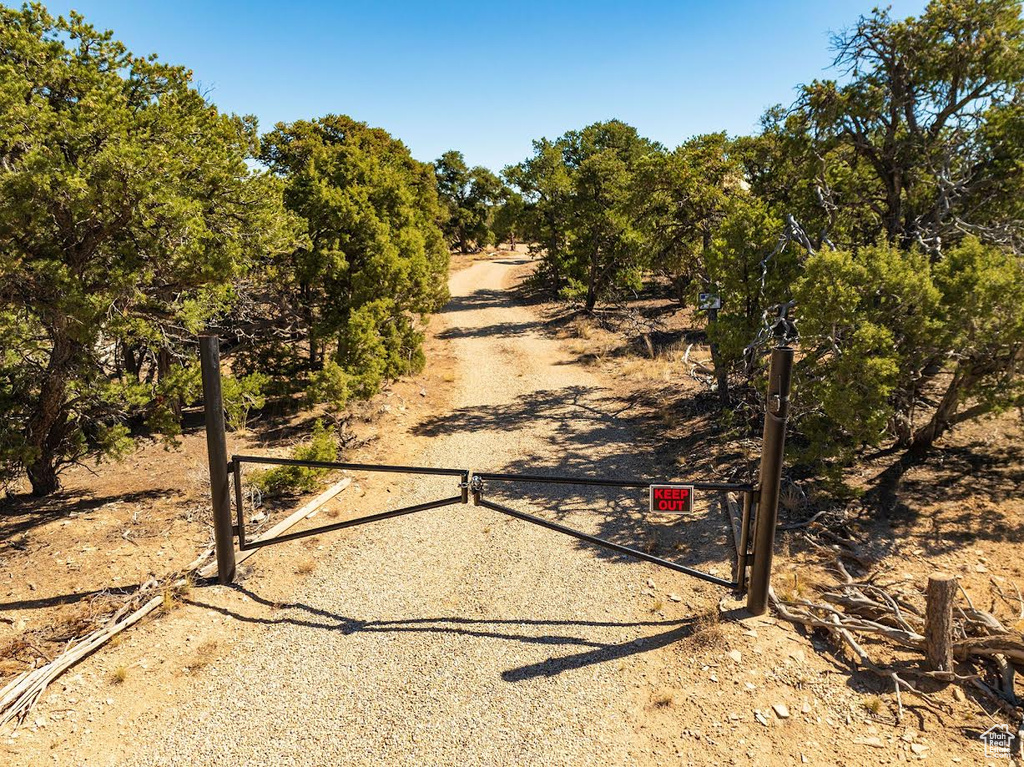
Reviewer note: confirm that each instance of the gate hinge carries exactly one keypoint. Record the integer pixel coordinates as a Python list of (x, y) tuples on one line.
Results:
[(235, 531)]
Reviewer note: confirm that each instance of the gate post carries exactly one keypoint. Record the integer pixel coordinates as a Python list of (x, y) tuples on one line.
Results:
[(773, 446), (217, 450)]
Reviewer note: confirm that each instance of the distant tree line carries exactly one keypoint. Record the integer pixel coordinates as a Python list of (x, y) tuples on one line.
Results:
[(888, 204)]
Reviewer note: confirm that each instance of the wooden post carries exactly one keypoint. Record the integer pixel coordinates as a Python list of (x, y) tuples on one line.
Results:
[(938, 630)]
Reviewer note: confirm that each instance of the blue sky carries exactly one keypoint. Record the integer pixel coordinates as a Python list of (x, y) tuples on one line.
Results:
[(487, 78)]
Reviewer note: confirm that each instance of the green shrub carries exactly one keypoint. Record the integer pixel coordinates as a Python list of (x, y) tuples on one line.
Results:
[(323, 446), (330, 384), (242, 395)]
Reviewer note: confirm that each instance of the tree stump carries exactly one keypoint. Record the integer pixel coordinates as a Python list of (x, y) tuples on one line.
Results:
[(938, 630)]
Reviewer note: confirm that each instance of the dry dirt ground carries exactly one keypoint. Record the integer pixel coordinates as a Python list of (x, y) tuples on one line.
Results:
[(459, 636)]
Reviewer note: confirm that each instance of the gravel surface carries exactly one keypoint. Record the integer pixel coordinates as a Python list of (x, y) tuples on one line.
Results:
[(457, 635)]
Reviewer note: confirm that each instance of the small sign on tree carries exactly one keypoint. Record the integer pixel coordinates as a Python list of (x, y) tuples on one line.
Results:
[(709, 301)]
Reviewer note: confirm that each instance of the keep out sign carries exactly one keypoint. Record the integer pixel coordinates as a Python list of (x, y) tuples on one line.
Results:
[(676, 499)]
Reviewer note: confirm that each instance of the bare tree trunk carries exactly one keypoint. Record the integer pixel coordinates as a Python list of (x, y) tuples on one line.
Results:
[(44, 431), (939, 621), (944, 414)]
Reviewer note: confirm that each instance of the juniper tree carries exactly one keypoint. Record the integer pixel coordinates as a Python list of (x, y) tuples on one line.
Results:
[(374, 259), (126, 209), (468, 195)]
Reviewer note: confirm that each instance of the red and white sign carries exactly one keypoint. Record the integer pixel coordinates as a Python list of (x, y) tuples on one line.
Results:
[(672, 499)]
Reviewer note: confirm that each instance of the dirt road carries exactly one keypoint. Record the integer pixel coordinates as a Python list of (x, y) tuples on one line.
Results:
[(457, 636), (462, 636)]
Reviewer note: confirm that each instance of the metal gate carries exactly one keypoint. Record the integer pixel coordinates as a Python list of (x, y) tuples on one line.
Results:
[(753, 533)]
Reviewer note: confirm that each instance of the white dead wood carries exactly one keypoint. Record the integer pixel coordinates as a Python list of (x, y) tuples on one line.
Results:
[(288, 522), (18, 697)]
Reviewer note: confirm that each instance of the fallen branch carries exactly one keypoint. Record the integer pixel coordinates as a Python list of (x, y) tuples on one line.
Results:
[(976, 637), (843, 632), (18, 697), (288, 522)]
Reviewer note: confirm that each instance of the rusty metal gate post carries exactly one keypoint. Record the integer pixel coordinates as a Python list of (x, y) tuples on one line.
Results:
[(217, 449), (773, 447)]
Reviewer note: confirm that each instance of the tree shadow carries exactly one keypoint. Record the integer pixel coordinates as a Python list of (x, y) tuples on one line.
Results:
[(585, 431), (490, 298), (21, 513), (494, 330), (965, 510)]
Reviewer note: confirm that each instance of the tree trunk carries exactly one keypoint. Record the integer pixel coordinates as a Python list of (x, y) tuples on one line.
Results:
[(592, 283), (721, 374), (44, 430), (132, 363), (163, 364), (903, 419), (316, 357), (943, 416), (42, 474), (894, 208)]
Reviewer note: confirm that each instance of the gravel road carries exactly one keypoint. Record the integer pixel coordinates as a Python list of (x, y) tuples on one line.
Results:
[(459, 636)]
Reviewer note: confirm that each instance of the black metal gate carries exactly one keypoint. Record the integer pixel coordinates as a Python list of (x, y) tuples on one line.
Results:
[(753, 531)]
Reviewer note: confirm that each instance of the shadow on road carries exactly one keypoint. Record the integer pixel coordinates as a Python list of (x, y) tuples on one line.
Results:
[(667, 632), (586, 431)]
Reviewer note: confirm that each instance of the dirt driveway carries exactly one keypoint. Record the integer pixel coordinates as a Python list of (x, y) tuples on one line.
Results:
[(460, 636), (456, 636)]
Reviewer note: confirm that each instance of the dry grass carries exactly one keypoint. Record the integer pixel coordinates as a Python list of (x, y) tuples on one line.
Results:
[(581, 328), (663, 699), (170, 602), (792, 498), (74, 621), (119, 675), (448, 377), (793, 590), (658, 605), (14, 655), (707, 631), (333, 512), (305, 566), (578, 347), (874, 704), (205, 654)]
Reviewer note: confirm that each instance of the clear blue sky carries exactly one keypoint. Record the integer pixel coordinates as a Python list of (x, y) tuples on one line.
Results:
[(486, 77)]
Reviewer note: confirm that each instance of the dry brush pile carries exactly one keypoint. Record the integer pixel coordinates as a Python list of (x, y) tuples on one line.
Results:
[(869, 617)]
